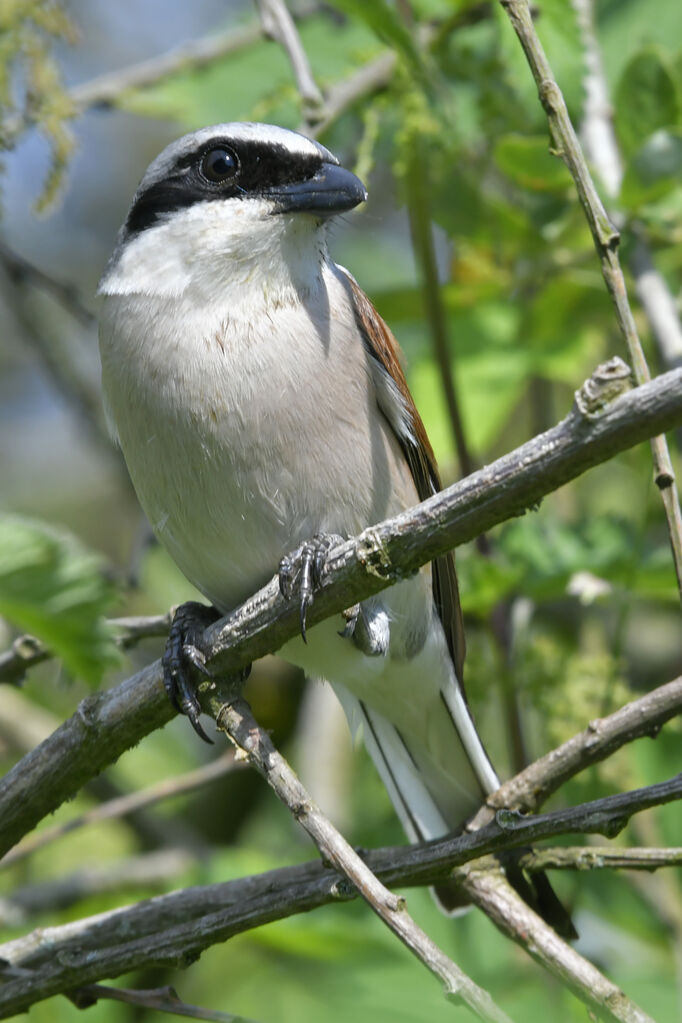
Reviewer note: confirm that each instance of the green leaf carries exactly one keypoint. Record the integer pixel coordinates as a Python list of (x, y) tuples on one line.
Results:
[(54, 588), (646, 98), (527, 161)]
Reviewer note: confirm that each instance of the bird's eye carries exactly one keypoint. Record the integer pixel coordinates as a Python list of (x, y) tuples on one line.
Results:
[(218, 165)]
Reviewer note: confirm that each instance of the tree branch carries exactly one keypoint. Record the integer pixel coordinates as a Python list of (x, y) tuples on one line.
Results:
[(490, 891), (235, 719), (278, 24), (163, 999), (602, 737), (606, 239), (172, 930), (105, 90), (368, 79), (108, 723), (599, 857), (20, 271)]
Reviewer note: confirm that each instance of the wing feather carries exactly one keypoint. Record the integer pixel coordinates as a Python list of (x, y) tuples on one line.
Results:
[(409, 429)]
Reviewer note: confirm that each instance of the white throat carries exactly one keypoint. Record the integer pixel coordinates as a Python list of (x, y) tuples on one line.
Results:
[(236, 249)]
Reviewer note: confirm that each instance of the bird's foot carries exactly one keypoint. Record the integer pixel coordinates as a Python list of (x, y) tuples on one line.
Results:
[(184, 657), (369, 628), (302, 569)]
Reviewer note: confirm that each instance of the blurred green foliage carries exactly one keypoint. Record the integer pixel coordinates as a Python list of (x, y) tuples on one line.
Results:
[(586, 580), (56, 590)]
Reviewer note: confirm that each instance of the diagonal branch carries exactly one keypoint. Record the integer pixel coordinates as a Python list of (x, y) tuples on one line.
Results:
[(172, 930), (602, 737), (606, 239), (278, 24), (108, 723), (489, 889), (235, 719)]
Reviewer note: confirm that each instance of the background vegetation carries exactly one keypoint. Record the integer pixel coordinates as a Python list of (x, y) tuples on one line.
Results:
[(570, 611)]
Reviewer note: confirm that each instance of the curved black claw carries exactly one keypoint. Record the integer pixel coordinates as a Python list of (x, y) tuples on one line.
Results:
[(303, 569), (183, 656)]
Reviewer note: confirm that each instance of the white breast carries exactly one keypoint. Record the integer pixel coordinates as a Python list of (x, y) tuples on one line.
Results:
[(245, 437)]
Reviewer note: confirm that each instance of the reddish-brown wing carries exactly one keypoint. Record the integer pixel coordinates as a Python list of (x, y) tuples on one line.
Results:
[(382, 346)]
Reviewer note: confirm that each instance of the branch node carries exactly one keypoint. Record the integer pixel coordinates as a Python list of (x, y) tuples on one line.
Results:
[(664, 480), (372, 554), (508, 820), (550, 96), (609, 381), (396, 903), (343, 889), (613, 827)]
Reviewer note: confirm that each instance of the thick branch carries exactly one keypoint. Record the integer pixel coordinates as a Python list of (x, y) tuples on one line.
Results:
[(108, 723), (172, 930)]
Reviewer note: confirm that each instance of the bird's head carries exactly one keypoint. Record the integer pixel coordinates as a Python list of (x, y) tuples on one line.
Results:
[(226, 204)]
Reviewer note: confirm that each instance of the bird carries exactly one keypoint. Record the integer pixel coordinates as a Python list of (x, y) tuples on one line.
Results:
[(262, 409)]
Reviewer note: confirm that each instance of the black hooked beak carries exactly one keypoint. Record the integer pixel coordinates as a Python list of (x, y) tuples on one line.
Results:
[(332, 189)]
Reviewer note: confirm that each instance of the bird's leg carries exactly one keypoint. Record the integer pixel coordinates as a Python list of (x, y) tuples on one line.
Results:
[(184, 658), (302, 569), (368, 626)]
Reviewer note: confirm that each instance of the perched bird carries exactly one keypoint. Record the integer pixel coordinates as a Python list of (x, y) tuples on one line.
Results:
[(260, 404)]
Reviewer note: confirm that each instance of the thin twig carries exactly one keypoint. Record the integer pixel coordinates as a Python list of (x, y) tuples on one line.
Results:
[(278, 24), (162, 999), (236, 720), (606, 239), (599, 857), (124, 805), (342, 96), (602, 737), (107, 723), (57, 354)]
